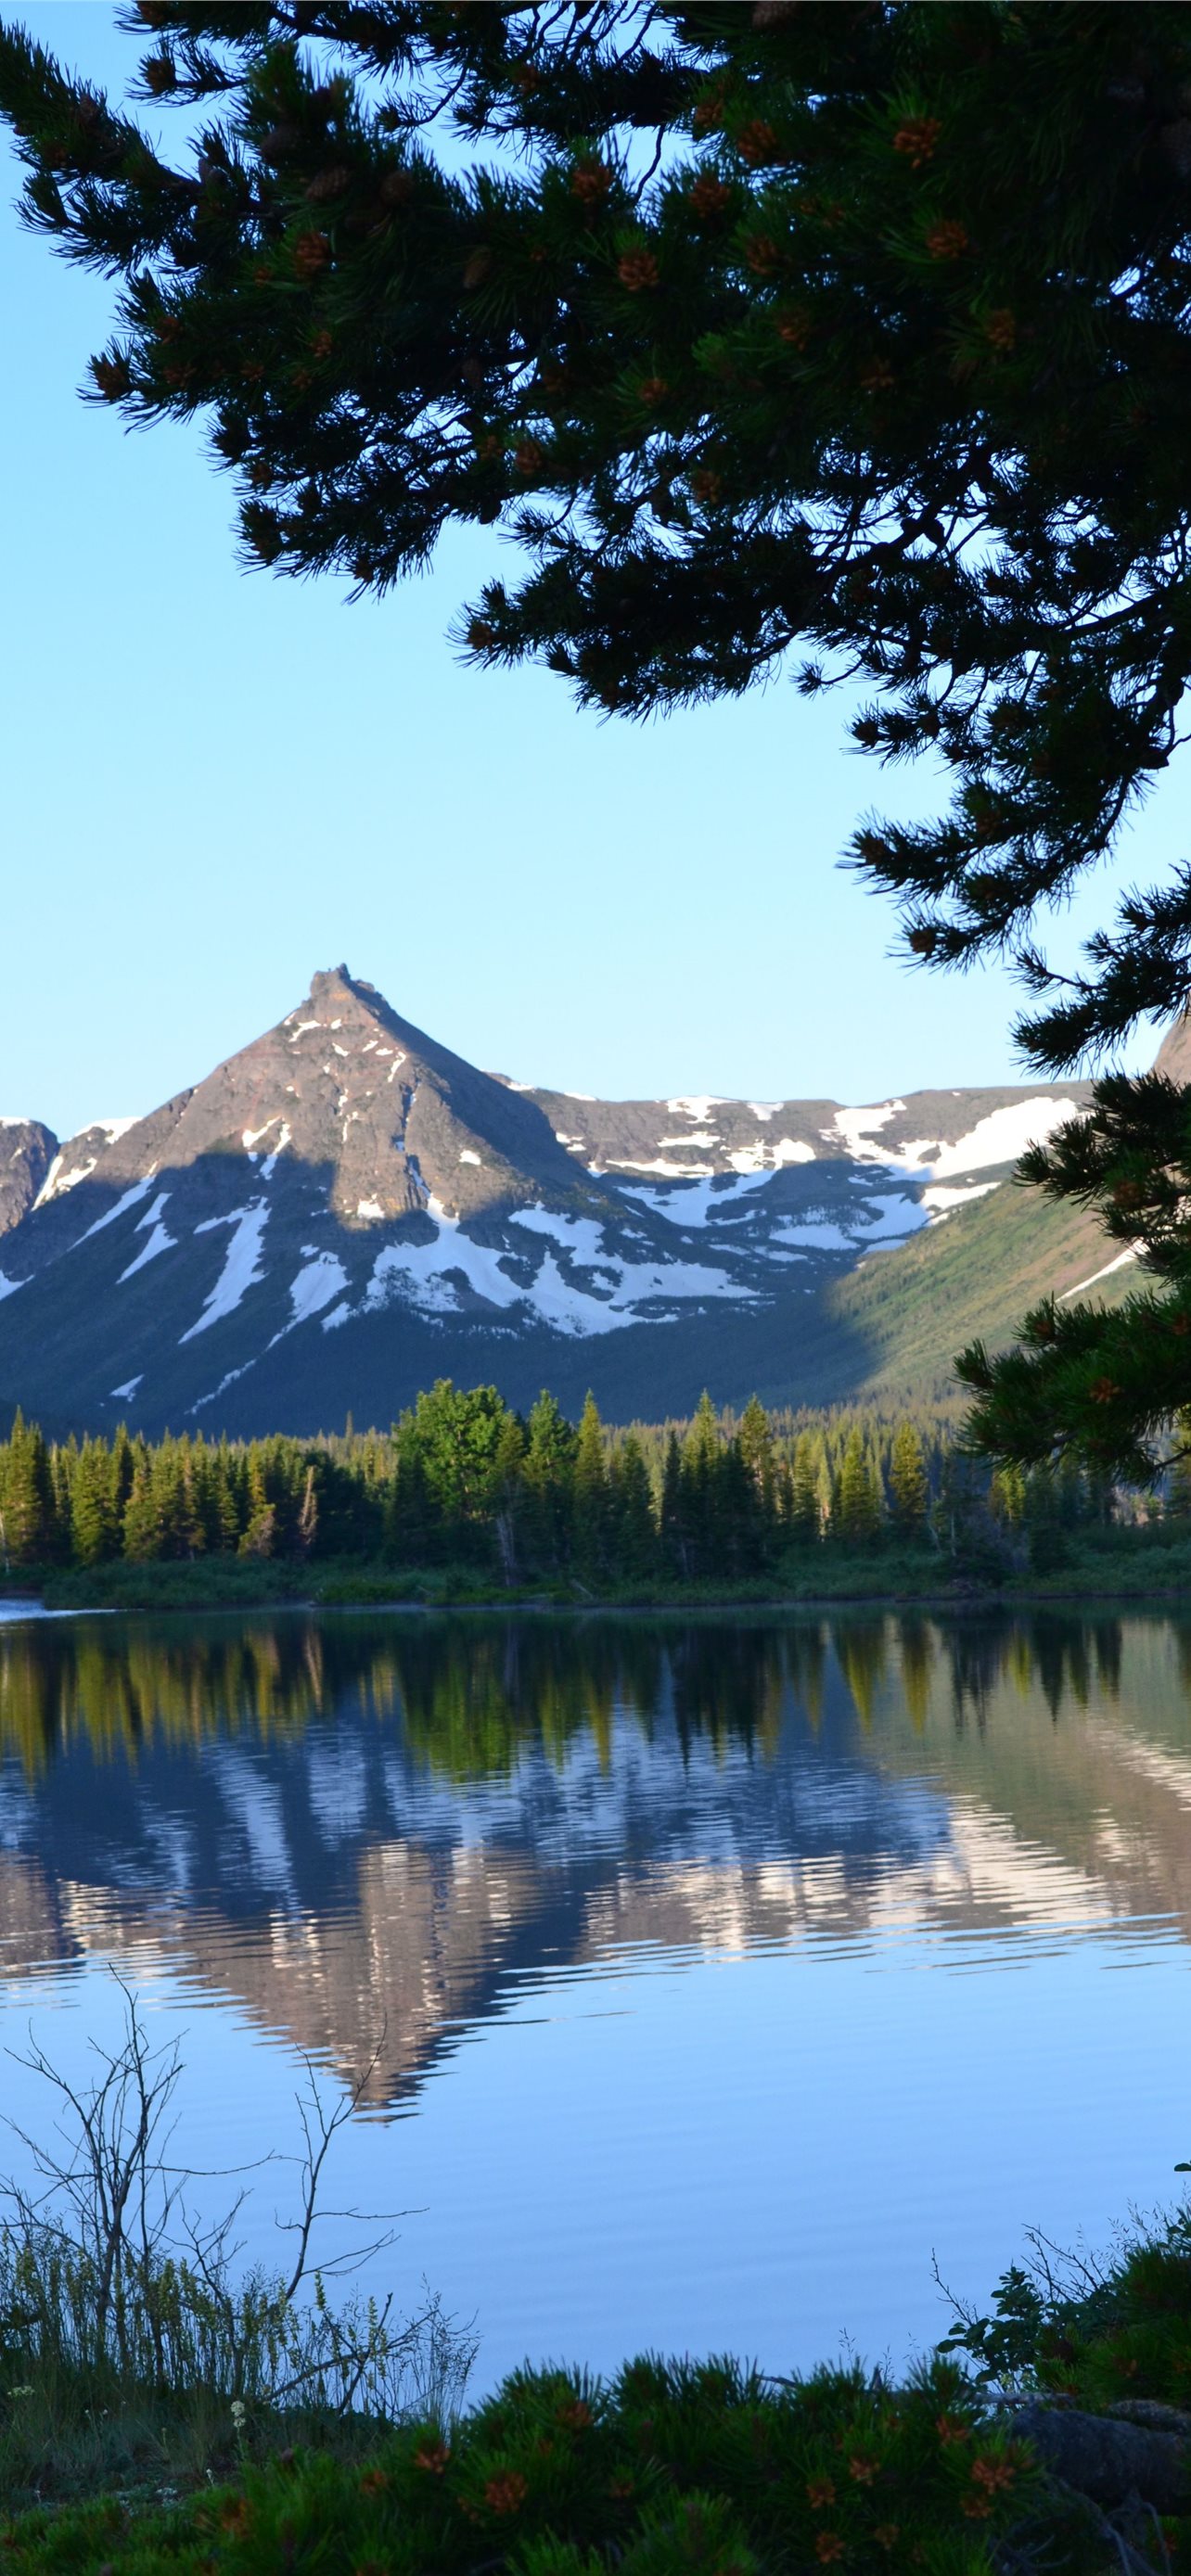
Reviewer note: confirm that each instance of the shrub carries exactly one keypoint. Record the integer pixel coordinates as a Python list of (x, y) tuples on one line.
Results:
[(673, 2467)]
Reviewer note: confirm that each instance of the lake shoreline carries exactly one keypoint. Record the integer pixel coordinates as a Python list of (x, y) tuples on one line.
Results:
[(181, 1587)]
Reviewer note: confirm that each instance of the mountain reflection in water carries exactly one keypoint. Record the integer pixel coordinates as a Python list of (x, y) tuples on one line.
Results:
[(369, 1817)]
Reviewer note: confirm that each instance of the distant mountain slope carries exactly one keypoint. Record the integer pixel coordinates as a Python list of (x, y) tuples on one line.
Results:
[(973, 1279), (346, 1209)]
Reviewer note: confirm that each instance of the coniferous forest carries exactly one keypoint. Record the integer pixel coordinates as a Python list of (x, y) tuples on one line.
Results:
[(464, 1481)]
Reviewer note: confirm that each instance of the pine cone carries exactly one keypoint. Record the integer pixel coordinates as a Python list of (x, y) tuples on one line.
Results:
[(757, 142), (637, 270), (112, 377), (947, 241), (917, 138), (590, 183), (763, 255), (311, 254), (709, 196), (329, 183)]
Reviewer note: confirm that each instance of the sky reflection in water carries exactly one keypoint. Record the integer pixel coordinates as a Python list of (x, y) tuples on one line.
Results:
[(724, 1970)]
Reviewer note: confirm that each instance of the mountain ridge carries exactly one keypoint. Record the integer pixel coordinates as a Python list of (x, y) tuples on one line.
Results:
[(346, 1208)]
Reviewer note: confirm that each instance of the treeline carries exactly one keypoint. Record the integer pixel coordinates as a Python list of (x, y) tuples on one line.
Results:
[(464, 1479)]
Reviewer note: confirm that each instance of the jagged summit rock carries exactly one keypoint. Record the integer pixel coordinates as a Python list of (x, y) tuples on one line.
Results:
[(347, 1088), (346, 1208), (27, 1150)]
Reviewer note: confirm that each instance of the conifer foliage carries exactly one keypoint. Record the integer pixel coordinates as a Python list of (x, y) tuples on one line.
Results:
[(464, 1480), (856, 333), (830, 325)]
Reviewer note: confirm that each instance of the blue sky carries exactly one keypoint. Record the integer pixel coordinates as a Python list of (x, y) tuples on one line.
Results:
[(215, 782)]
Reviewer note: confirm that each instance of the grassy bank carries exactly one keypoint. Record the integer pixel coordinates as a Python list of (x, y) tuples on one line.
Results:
[(1143, 1562), (971, 2465), (164, 2413)]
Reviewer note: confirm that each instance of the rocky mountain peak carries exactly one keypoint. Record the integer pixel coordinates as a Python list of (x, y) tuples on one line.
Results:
[(394, 1123), (27, 1150)]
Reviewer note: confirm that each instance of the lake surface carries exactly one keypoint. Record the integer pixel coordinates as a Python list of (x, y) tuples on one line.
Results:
[(718, 1974)]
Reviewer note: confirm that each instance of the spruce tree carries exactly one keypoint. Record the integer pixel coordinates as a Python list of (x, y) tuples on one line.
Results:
[(857, 1512), (590, 1487), (701, 1486), (412, 1525), (634, 1538), (549, 1484), (63, 1459), (908, 1486), (757, 1452), (674, 1539), (806, 1522), (140, 1532), (26, 1498), (121, 1470), (260, 1531), (94, 1518)]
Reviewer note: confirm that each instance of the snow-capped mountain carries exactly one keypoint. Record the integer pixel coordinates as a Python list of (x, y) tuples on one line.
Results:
[(346, 1210)]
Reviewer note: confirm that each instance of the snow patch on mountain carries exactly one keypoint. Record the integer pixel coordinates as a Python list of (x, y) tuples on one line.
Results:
[(242, 1267), (889, 1218), (269, 1166), (857, 1129), (130, 1198), (1003, 1136), (941, 1200), (419, 1271), (633, 1283), (606, 1300), (317, 1282), (696, 1105), (1000, 1137), (583, 1236), (1132, 1252), (711, 1197), (764, 1157), (160, 1240)]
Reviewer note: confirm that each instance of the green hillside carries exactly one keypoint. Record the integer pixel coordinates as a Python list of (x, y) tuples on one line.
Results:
[(974, 1276)]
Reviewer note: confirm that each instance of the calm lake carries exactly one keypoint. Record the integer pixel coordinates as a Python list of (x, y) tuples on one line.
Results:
[(721, 1973)]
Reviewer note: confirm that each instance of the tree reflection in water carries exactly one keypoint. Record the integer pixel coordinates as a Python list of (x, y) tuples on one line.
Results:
[(319, 1812)]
